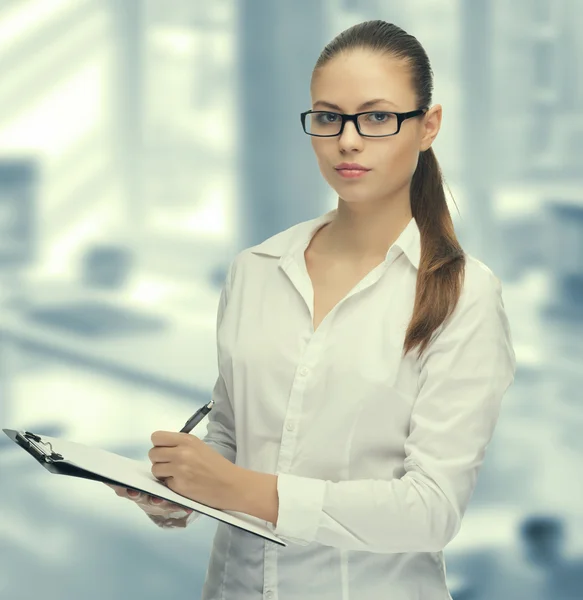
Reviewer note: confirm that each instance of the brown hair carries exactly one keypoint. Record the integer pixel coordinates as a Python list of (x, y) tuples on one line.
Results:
[(442, 263)]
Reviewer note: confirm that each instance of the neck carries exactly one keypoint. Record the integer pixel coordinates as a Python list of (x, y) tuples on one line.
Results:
[(366, 230)]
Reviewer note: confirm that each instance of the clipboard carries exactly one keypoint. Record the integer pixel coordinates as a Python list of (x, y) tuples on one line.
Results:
[(62, 457)]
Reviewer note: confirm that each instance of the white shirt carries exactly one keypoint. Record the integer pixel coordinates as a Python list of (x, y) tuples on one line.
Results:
[(376, 455)]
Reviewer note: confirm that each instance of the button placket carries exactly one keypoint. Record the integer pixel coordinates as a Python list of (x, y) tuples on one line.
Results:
[(288, 439), (286, 451), (270, 570)]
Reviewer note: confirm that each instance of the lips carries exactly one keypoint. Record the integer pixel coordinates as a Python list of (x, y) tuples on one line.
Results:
[(350, 167)]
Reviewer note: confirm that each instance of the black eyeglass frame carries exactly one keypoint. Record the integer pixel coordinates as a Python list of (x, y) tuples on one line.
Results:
[(401, 116)]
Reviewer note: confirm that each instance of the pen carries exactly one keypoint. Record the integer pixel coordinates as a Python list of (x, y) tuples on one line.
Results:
[(197, 417)]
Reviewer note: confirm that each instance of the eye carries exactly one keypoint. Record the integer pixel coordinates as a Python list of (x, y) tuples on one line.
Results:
[(379, 117), (323, 117)]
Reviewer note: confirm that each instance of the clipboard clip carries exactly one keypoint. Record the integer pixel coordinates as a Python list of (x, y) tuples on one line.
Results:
[(34, 442)]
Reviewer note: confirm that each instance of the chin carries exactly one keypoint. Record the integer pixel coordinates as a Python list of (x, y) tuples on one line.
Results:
[(355, 195)]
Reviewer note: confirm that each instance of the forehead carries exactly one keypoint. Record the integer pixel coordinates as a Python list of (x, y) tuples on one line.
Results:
[(351, 79)]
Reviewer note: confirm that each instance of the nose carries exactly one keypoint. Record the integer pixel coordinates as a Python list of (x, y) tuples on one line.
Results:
[(350, 137)]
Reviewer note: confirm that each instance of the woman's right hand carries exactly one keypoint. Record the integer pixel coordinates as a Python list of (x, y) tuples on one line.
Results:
[(162, 512)]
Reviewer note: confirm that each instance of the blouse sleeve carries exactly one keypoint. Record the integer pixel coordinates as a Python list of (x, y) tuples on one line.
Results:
[(463, 376), (220, 434)]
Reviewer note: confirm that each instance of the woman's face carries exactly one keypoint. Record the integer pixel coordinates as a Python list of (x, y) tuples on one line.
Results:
[(348, 81)]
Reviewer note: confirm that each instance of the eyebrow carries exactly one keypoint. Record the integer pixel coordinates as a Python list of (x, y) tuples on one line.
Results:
[(367, 104)]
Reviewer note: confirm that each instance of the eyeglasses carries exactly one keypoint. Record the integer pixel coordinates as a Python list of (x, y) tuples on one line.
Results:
[(322, 123)]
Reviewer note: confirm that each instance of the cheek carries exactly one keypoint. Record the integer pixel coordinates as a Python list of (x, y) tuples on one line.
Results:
[(400, 160), (323, 162), (318, 151)]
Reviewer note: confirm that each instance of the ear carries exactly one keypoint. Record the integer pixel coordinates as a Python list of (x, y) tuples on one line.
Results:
[(430, 126)]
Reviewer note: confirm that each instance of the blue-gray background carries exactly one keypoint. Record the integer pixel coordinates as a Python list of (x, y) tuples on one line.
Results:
[(144, 143)]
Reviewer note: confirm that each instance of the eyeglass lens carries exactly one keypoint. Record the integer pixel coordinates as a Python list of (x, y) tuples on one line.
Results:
[(372, 124)]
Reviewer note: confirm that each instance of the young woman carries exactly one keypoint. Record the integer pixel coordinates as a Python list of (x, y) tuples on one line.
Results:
[(363, 357)]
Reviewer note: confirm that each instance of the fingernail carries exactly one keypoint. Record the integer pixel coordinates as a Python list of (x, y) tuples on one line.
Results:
[(133, 493), (156, 500)]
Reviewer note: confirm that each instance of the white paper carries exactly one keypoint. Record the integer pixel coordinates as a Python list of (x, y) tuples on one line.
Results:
[(137, 474)]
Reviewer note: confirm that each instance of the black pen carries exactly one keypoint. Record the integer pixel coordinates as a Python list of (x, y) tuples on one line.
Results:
[(197, 417)]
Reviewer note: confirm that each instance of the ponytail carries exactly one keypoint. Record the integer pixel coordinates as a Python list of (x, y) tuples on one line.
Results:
[(442, 263)]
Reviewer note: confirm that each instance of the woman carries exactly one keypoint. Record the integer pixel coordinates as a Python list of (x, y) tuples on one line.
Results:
[(363, 357)]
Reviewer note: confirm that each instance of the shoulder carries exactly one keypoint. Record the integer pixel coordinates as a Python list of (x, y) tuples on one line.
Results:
[(480, 281), (478, 320), (479, 298)]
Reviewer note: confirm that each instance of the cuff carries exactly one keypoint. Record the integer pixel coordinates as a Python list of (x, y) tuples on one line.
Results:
[(300, 506)]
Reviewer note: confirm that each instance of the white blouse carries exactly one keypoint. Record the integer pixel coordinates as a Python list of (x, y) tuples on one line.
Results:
[(376, 455)]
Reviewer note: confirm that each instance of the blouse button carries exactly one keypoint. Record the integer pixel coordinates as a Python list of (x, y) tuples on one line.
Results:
[(290, 426), (269, 594), (304, 371)]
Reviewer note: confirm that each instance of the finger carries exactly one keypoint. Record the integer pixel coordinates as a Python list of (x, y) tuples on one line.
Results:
[(134, 494), (167, 504), (147, 499), (177, 507), (162, 471), (161, 454), (123, 492), (167, 509), (167, 438), (115, 488), (155, 501), (173, 506)]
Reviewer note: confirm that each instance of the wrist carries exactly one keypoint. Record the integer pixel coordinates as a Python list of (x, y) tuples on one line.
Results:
[(256, 494)]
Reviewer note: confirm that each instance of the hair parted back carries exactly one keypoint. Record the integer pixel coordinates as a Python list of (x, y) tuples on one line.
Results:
[(442, 263)]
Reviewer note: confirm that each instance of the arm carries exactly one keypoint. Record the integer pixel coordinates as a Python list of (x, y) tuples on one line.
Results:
[(464, 375), (220, 434)]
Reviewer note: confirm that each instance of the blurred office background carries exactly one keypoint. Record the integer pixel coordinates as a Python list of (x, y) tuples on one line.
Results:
[(144, 142)]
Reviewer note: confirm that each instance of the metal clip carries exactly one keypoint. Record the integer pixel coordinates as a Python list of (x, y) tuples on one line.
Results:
[(34, 440)]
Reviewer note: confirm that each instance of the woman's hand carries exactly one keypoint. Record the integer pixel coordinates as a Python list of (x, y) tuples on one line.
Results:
[(193, 469), (162, 512)]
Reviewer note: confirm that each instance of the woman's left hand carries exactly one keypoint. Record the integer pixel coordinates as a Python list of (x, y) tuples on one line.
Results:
[(193, 469)]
